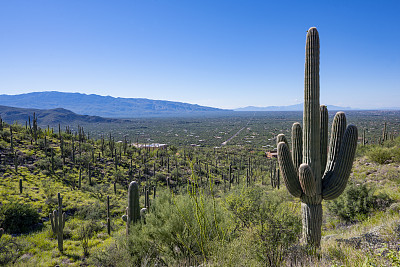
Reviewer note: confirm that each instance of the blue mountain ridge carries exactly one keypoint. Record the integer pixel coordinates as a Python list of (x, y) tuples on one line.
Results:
[(104, 106)]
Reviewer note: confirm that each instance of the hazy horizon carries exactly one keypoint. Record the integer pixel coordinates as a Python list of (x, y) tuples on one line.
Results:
[(223, 54)]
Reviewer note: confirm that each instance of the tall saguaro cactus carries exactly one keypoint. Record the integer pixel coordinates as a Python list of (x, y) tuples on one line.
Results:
[(57, 219), (310, 172), (133, 210)]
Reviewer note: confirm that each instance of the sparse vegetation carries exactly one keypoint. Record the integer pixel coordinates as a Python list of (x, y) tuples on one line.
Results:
[(241, 219)]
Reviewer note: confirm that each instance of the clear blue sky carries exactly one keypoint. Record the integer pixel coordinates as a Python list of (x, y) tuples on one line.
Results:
[(220, 53)]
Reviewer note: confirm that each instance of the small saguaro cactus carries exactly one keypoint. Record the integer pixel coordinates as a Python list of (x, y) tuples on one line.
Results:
[(133, 210), (57, 219), (143, 213), (11, 140), (309, 171), (108, 216)]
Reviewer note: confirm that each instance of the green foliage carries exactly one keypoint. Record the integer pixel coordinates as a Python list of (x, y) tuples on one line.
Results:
[(95, 211), (85, 232), (393, 256), (275, 225), (357, 202), (17, 218), (176, 228), (10, 250), (180, 229), (380, 154)]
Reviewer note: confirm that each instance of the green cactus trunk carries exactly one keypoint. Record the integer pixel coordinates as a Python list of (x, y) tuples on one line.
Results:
[(311, 204), (309, 171), (57, 219), (108, 216), (133, 210)]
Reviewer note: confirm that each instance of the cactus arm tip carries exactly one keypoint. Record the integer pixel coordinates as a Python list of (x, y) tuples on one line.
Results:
[(281, 138)]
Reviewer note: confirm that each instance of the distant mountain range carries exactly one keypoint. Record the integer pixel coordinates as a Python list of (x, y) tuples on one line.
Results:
[(104, 106), (297, 107), (49, 117)]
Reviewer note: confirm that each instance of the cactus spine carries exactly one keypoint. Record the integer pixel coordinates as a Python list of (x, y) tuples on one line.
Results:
[(320, 175), (57, 219), (133, 210)]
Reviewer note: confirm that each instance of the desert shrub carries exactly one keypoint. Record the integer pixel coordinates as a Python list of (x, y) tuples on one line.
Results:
[(275, 226), (380, 154), (160, 177), (45, 164), (10, 249), (4, 144), (357, 202), (18, 218), (95, 211), (178, 229), (113, 254), (85, 232), (396, 154)]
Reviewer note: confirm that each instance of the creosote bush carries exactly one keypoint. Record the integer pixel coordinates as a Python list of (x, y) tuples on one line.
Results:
[(275, 225), (380, 155), (358, 202), (17, 218), (176, 228), (94, 211)]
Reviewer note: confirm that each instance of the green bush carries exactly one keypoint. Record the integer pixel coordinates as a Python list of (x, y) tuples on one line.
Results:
[(18, 218), (357, 202), (380, 154), (275, 226), (10, 249), (178, 229), (95, 211)]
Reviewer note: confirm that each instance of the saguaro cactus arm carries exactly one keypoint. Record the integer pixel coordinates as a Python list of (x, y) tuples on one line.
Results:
[(297, 145), (289, 173), (281, 138), (307, 180), (324, 137), (335, 182), (64, 217), (338, 129), (53, 220), (125, 216)]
